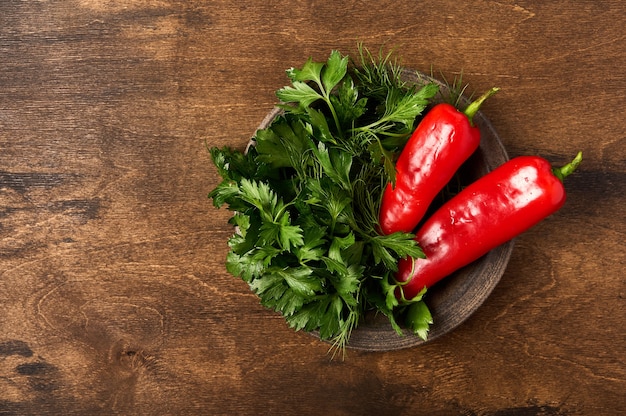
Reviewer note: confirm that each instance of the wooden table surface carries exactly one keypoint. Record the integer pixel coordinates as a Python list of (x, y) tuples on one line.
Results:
[(113, 293)]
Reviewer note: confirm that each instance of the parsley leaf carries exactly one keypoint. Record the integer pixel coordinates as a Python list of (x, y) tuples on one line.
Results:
[(300, 92), (388, 248), (335, 164), (347, 102), (334, 71), (311, 71), (313, 245), (419, 319)]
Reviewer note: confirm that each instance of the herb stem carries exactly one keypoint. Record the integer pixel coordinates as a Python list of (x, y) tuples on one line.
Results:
[(334, 114), (373, 125)]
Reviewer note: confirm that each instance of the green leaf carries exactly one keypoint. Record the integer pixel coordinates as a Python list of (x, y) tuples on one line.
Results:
[(332, 323), (334, 71), (379, 153), (338, 206), (260, 195), (239, 245), (275, 294), (348, 283), (224, 193), (299, 279), (320, 126), (311, 71), (389, 248), (419, 319), (233, 164), (342, 164), (309, 316), (219, 160), (290, 236), (335, 164), (241, 221), (335, 266), (288, 302), (409, 106), (384, 300), (247, 239), (286, 144), (383, 255), (281, 232), (271, 148), (346, 276), (334, 200), (265, 254), (312, 248), (389, 292), (354, 254), (339, 244), (325, 314), (400, 108), (244, 266), (264, 283), (299, 92), (347, 103)]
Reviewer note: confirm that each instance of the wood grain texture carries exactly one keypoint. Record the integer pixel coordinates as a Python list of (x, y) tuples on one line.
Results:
[(113, 292)]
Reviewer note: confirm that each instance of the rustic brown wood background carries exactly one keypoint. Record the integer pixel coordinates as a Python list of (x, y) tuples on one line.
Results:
[(113, 294)]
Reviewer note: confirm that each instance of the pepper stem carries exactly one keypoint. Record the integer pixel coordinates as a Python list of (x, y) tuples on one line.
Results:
[(474, 106), (568, 169)]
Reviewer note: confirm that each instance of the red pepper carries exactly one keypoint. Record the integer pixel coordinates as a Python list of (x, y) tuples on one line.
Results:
[(491, 211), (443, 140)]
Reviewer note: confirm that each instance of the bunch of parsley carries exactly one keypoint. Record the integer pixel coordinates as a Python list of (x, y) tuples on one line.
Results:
[(306, 197)]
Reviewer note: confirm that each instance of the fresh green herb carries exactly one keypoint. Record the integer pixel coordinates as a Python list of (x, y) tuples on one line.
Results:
[(306, 197)]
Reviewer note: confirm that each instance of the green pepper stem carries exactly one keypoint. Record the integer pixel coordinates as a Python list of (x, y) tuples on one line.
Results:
[(474, 106), (568, 169)]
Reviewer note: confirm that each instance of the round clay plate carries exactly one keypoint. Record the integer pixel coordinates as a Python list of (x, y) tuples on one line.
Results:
[(457, 296)]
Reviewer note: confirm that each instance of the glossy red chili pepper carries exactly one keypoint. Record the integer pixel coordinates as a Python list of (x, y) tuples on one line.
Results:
[(443, 140), (491, 211)]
